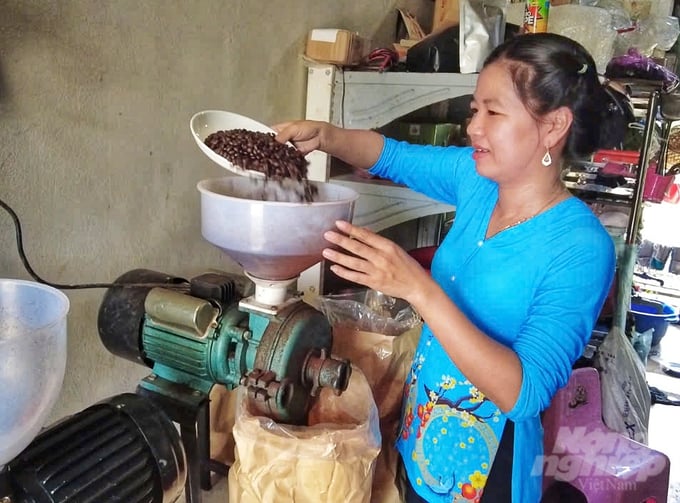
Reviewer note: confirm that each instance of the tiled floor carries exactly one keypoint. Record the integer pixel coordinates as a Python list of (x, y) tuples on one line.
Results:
[(218, 494), (665, 419)]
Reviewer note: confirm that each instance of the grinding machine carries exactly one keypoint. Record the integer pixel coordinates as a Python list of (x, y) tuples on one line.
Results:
[(228, 329)]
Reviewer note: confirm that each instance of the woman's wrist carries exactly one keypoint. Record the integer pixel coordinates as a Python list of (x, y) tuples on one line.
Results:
[(424, 293), (328, 141)]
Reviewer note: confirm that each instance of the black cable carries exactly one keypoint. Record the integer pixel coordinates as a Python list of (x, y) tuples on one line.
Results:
[(661, 397), (77, 286)]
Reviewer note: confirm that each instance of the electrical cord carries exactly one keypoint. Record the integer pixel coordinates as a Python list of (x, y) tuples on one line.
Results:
[(661, 397), (381, 59), (77, 286)]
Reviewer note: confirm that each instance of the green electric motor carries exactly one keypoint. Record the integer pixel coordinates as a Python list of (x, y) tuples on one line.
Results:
[(198, 333)]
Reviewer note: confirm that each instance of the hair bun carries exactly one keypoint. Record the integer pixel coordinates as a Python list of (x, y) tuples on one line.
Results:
[(617, 114)]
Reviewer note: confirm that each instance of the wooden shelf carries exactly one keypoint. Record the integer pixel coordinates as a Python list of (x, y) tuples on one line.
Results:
[(368, 100), (383, 204)]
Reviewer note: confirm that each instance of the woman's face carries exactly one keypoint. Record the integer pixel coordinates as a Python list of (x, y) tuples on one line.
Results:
[(508, 141)]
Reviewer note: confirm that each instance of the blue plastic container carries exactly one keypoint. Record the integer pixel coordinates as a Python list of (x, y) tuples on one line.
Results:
[(653, 314)]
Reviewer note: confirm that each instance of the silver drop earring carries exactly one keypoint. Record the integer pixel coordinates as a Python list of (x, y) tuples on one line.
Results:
[(547, 158)]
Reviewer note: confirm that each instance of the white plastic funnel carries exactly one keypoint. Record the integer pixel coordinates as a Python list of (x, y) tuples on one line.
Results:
[(32, 360), (270, 239)]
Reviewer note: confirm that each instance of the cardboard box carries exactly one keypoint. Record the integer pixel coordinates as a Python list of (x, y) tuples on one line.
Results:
[(340, 47), (446, 13), (441, 134)]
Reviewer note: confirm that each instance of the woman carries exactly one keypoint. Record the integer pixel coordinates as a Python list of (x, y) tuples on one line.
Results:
[(516, 285)]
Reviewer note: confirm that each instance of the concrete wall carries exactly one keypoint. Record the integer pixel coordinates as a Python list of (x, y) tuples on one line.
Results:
[(95, 152)]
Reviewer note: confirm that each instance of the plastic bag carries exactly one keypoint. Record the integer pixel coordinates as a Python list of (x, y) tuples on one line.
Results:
[(597, 35), (368, 310), (648, 36), (365, 323), (626, 400), (642, 343), (330, 461), (634, 64), (482, 28), (378, 334), (389, 393)]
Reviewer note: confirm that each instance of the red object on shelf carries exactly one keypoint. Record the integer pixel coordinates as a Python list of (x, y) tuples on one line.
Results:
[(655, 185), (625, 156), (672, 195)]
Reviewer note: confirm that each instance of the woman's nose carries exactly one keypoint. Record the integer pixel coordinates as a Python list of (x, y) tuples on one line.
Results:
[(474, 126)]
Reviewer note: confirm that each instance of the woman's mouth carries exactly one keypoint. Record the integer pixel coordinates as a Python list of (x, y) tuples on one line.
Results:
[(479, 152)]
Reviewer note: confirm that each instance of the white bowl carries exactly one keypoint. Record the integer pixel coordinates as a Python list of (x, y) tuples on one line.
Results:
[(207, 122)]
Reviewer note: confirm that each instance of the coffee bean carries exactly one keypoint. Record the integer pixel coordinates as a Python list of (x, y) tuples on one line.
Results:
[(256, 151)]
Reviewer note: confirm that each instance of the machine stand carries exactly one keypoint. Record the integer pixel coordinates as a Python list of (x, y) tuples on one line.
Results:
[(190, 409)]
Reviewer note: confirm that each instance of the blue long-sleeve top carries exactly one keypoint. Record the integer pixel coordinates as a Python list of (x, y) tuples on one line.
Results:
[(537, 288)]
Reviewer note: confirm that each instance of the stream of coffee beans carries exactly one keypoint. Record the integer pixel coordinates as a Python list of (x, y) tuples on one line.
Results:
[(257, 151)]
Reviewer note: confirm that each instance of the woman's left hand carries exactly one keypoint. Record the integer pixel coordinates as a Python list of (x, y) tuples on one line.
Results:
[(375, 262)]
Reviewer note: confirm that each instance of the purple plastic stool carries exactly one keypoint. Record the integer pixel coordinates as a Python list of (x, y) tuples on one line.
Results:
[(606, 466)]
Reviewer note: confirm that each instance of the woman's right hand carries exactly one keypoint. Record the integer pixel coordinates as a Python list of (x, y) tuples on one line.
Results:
[(305, 135), (360, 148)]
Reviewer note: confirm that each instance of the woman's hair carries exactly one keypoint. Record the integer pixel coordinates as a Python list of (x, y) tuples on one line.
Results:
[(550, 71)]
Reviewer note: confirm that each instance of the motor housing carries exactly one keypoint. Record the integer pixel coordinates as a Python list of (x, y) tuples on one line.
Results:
[(122, 449), (198, 333)]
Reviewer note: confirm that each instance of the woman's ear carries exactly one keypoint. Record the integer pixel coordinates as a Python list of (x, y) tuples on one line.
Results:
[(556, 125)]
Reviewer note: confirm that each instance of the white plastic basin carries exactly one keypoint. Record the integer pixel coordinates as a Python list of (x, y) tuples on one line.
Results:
[(32, 360)]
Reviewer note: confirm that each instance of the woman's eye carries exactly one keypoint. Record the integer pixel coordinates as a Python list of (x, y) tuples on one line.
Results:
[(473, 111)]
